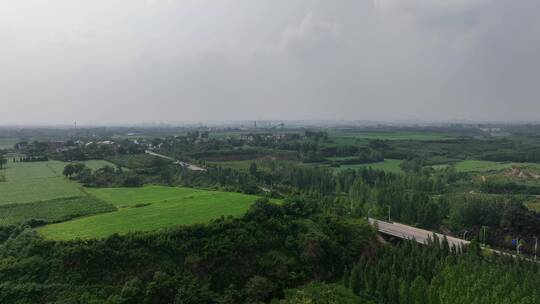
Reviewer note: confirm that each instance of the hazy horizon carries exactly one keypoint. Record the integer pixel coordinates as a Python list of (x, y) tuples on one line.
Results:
[(151, 61)]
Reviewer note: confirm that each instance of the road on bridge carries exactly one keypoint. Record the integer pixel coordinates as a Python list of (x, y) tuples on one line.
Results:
[(422, 236), (411, 233)]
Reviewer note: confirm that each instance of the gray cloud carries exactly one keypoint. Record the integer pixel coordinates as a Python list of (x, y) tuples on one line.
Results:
[(132, 61)]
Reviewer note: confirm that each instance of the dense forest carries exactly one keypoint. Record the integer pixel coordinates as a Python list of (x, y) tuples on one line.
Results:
[(275, 247)]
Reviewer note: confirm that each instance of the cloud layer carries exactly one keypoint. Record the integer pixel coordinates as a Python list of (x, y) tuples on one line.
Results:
[(113, 61)]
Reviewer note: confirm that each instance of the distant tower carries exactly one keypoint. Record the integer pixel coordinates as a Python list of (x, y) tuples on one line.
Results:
[(75, 123), (255, 124)]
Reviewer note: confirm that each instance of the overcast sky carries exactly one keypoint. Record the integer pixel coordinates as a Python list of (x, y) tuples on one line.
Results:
[(113, 61)]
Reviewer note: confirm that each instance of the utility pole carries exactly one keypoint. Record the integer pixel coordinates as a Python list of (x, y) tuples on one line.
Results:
[(389, 214)]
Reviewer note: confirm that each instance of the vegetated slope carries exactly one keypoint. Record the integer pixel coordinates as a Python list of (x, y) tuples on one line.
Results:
[(472, 165), (56, 210), (241, 260), (149, 208), (484, 165), (409, 273), (322, 293), (34, 181)]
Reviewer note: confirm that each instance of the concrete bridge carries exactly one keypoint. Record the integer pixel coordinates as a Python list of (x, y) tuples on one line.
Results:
[(411, 233), (422, 236)]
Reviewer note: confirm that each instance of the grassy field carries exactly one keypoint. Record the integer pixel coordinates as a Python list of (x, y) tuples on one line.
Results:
[(338, 158), (38, 181), (132, 161), (235, 164), (392, 135), (388, 165), (150, 208), (56, 210), (485, 166), (345, 141)]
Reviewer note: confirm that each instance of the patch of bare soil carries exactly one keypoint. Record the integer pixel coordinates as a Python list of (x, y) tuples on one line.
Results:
[(522, 173)]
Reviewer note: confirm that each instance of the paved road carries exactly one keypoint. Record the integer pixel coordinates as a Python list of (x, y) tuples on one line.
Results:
[(410, 233), (181, 163), (421, 236)]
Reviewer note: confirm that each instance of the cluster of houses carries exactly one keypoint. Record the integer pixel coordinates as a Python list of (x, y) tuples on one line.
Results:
[(62, 146), (251, 137), (58, 146)]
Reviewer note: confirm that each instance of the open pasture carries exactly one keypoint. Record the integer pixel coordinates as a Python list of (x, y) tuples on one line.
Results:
[(150, 208)]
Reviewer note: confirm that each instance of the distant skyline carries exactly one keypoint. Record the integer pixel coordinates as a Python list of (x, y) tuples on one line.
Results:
[(271, 123), (149, 61)]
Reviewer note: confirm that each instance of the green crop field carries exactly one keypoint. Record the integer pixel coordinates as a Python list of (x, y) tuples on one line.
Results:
[(132, 161), (235, 164), (388, 165), (38, 181), (56, 210), (150, 208), (484, 166), (405, 135), (7, 143), (345, 141), (261, 164)]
